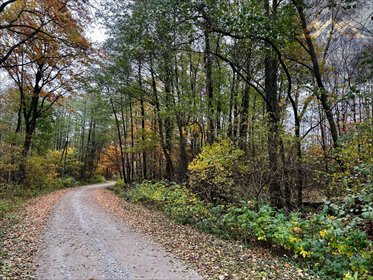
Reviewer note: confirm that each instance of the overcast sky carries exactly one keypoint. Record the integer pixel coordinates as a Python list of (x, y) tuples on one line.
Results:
[(96, 33)]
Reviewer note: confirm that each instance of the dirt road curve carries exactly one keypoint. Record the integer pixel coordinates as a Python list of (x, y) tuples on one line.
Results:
[(83, 241)]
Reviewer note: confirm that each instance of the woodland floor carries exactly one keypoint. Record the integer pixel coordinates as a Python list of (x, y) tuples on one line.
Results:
[(20, 240), (90, 233)]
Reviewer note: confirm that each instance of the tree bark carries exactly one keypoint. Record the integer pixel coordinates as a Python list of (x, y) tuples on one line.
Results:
[(323, 96), (169, 164), (209, 89), (122, 171), (272, 108), (142, 108)]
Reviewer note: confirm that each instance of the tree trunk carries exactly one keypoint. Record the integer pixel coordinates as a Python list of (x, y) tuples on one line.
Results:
[(209, 90), (183, 153), (132, 143), (142, 108), (244, 118), (122, 170), (272, 108), (168, 122), (323, 96), (231, 106), (169, 164)]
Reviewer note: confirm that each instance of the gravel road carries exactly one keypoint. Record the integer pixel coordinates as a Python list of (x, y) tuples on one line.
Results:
[(84, 241)]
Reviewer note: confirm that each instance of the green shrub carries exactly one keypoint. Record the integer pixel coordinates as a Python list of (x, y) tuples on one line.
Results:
[(354, 153), (356, 146), (330, 242), (177, 201), (10, 156), (96, 179), (216, 173), (68, 164), (334, 247), (99, 179), (4, 207), (119, 183), (40, 172), (65, 182)]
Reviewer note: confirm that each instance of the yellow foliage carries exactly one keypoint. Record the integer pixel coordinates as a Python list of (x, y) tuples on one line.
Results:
[(40, 172), (305, 254), (323, 233), (293, 239), (214, 172)]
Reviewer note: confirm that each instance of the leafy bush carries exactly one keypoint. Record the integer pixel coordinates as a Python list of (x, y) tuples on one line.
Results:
[(10, 155), (334, 247), (65, 182), (4, 206), (329, 241), (354, 154), (177, 201), (356, 209), (96, 179), (67, 164), (356, 147), (216, 173), (119, 183), (40, 172)]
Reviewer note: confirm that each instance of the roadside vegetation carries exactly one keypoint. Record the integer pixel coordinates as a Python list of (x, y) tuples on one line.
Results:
[(44, 174), (331, 242), (25, 207), (334, 241), (252, 120)]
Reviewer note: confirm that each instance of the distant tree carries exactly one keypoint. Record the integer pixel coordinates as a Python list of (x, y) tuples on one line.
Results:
[(46, 68)]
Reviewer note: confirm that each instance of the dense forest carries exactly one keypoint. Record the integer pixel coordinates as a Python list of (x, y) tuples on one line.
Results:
[(266, 103)]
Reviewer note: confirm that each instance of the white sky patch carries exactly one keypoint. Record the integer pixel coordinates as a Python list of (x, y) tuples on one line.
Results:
[(96, 33)]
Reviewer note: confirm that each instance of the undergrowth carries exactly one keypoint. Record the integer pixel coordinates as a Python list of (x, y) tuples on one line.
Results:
[(330, 242), (13, 195)]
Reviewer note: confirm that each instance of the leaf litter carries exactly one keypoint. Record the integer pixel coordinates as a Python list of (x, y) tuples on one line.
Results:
[(20, 241), (212, 257)]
